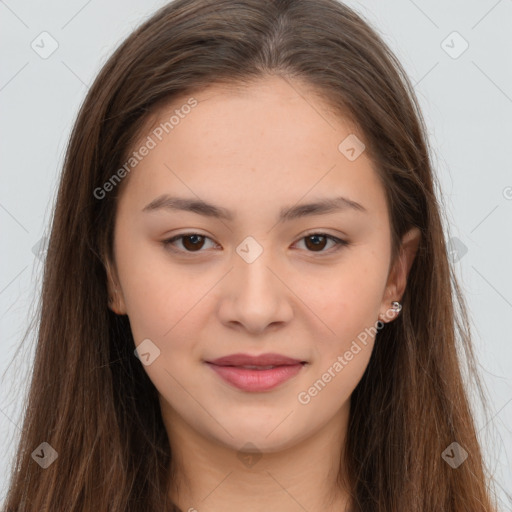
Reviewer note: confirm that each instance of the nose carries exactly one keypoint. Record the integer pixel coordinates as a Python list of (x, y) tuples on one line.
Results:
[(256, 296)]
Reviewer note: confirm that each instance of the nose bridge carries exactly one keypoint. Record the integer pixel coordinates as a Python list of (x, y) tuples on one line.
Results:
[(253, 265), (257, 297)]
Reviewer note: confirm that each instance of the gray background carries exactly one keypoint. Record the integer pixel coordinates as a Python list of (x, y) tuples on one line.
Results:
[(466, 100)]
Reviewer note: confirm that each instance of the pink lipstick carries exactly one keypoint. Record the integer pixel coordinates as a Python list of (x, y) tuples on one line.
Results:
[(256, 373)]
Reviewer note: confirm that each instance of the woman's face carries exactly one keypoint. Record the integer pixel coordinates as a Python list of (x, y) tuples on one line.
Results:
[(256, 272)]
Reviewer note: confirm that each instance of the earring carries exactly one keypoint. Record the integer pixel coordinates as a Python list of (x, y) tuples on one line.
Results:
[(396, 307), (110, 297)]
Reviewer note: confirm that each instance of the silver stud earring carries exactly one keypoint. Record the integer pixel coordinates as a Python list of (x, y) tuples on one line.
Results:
[(397, 307)]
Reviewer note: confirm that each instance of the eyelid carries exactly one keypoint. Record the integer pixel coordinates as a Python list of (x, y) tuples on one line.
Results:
[(340, 243), (168, 242), (320, 232)]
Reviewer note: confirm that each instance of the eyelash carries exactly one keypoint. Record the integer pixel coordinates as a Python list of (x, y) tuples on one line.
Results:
[(339, 242)]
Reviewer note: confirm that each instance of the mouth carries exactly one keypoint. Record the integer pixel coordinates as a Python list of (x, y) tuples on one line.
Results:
[(256, 373), (258, 361)]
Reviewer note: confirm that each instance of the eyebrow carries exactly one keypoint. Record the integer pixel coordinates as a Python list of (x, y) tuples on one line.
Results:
[(322, 206)]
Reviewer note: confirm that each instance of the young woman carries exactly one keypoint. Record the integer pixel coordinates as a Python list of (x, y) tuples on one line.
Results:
[(247, 300)]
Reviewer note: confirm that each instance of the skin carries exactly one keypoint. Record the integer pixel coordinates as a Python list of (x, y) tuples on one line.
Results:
[(255, 150)]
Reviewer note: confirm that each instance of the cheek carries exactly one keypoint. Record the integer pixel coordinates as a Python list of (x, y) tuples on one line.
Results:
[(343, 344), (346, 299), (156, 294), (347, 307)]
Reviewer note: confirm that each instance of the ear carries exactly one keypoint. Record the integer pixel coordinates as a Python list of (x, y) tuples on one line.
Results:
[(397, 279), (116, 299)]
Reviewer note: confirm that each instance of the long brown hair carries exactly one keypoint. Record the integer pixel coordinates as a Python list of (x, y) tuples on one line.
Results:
[(89, 397)]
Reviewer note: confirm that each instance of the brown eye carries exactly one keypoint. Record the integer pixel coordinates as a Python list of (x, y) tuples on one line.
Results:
[(192, 242), (316, 242)]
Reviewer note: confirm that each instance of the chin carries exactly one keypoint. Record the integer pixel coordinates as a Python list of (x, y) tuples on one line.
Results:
[(259, 437)]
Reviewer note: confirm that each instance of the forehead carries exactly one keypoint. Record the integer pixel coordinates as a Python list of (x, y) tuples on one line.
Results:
[(271, 105), (259, 142)]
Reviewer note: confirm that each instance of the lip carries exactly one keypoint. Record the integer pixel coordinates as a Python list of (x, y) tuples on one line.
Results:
[(260, 360), (229, 368)]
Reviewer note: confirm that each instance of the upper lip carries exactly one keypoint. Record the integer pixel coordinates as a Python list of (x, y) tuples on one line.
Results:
[(260, 360)]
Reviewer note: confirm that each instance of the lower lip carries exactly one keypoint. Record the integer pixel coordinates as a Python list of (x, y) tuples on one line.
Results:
[(256, 380)]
